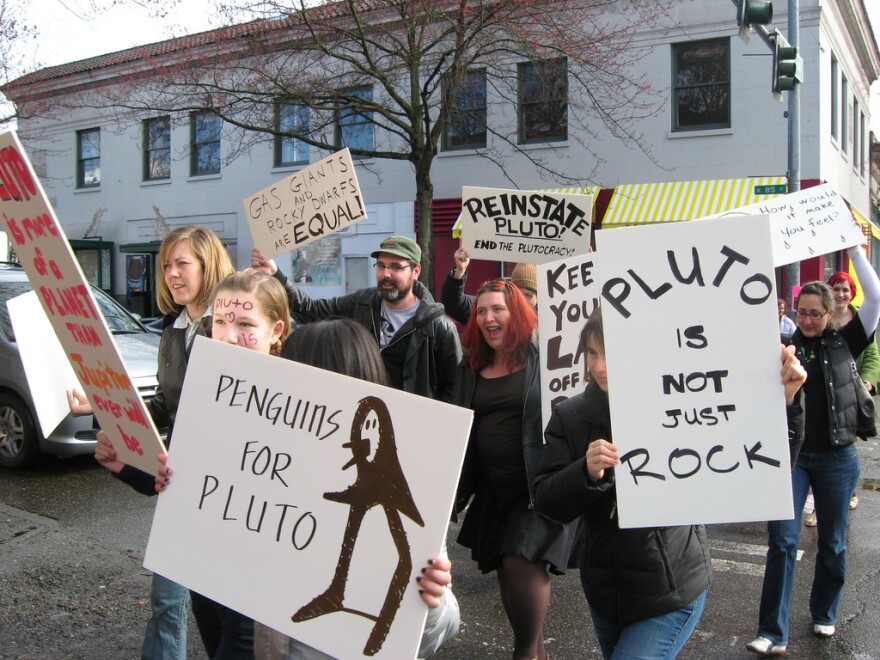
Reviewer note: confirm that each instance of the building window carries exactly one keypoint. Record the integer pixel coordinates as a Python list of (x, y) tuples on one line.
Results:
[(701, 82), (204, 143), (543, 101), (88, 158), (862, 142), (857, 137), (835, 73), (466, 125), (157, 149), (354, 126), (291, 118), (844, 116)]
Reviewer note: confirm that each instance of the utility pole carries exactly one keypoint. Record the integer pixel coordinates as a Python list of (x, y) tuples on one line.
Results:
[(787, 76)]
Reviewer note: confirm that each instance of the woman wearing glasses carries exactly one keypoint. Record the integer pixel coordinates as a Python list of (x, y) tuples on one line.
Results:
[(499, 381), (827, 461)]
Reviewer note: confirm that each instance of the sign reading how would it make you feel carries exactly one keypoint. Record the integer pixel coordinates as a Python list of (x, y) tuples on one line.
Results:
[(693, 357), (806, 223), (315, 202), (525, 226), (56, 276), (567, 294), (300, 498)]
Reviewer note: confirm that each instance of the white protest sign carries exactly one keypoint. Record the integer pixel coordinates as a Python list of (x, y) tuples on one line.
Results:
[(263, 515), (48, 372), (567, 294), (56, 276), (306, 206), (805, 224), (525, 226), (692, 348)]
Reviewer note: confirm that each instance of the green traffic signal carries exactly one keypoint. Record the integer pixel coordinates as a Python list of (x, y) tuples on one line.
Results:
[(754, 12), (786, 73)]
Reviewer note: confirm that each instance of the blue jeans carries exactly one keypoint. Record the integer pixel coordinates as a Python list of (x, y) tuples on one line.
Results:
[(833, 477), (165, 638), (657, 638)]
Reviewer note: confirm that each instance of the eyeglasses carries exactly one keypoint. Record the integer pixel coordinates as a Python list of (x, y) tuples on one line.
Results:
[(813, 314), (397, 268)]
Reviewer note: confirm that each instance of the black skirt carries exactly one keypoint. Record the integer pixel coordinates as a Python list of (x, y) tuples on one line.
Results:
[(497, 524)]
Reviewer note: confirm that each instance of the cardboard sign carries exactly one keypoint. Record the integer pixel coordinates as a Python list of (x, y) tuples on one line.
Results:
[(315, 202), (806, 223), (56, 276), (307, 500), (48, 372), (568, 292), (693, 356), (525, 226)]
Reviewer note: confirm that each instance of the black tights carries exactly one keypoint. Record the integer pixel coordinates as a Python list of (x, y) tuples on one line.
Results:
[(525, 594)]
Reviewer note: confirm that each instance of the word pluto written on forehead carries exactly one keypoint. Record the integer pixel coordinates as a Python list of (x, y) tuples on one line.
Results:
[(264, 461)]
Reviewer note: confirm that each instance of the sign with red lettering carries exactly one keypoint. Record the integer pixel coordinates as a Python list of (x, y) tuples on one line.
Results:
[(56, 276), (692, 351), (315, 202)]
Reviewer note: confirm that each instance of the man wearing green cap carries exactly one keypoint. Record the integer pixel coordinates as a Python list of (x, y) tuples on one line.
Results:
[(419, 344)]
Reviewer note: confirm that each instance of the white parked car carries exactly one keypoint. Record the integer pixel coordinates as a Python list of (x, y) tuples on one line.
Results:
[(21, 441)]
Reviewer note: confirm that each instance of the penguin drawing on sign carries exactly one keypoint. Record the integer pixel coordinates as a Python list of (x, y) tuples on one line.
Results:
[(380, 482)]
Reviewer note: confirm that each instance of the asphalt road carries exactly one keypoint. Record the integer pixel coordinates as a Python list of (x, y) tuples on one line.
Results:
[(72, 584)]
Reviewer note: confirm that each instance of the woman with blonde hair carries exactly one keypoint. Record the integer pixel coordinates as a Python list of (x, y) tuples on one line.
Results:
[(191, 262)]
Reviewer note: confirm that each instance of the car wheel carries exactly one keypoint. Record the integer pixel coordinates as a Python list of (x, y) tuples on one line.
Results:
[(19, 445)]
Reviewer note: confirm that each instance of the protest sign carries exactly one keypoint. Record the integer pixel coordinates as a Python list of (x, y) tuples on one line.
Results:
[(567, 294), (692, 349), (262, 515), (55, 274), (306, 206), (805, 224), (48, 373), (525, 226)]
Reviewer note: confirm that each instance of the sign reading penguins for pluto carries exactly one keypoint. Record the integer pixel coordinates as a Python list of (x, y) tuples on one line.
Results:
[(315, 202), (525, 226), (301, 498), (568, 292), (694, 373)]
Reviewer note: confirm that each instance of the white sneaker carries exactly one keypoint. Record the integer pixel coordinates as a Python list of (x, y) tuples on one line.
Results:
[(853, 501), (764, 646), (821, 630)]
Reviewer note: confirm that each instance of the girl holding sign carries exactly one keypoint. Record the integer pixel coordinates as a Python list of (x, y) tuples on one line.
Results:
[(827, 462), (192, 260), (249, 310), (646, 587), (346, 347), (499, 380)]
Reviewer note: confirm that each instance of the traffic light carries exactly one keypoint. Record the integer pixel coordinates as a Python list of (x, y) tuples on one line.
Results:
[(753, 11), (786, 66)]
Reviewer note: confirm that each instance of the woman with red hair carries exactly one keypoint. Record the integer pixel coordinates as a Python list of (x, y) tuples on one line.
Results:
[(498, 379)]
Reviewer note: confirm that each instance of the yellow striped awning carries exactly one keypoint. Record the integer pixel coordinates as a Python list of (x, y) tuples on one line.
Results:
[(871, 230), (643, 203), (591, 190)]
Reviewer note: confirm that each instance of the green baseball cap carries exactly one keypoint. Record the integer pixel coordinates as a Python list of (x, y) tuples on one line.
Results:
[(399, 246)]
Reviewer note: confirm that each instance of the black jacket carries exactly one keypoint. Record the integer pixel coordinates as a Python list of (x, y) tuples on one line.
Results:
[(628, 575), (433, 347), (173, 357), (455, 301), (836, 351)]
